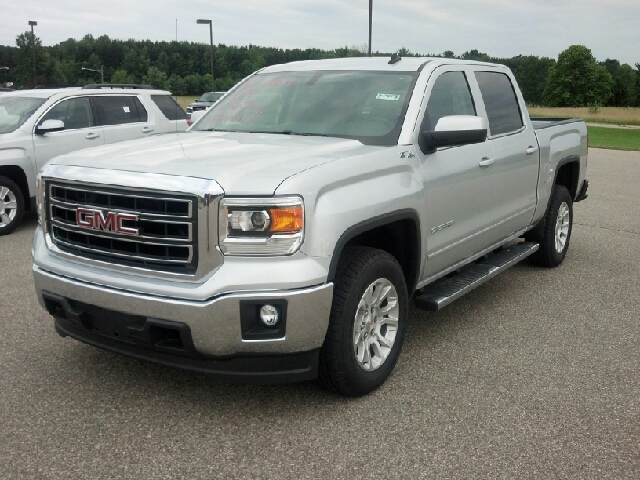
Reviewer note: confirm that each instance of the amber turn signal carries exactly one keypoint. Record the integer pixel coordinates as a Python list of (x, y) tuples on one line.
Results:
[(288, 219)]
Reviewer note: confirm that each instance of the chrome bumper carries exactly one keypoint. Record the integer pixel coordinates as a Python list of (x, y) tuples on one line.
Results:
[(215, 323)]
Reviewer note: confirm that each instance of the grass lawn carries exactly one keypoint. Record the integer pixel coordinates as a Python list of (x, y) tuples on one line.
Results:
[(613, 115), (614, 138), (184, 101)]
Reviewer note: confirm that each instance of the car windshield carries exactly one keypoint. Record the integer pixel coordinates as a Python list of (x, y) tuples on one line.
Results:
[(14, 111), (210, 97), (366, 106)]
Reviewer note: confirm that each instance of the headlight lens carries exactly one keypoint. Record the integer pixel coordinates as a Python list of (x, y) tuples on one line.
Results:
[(261, 226)]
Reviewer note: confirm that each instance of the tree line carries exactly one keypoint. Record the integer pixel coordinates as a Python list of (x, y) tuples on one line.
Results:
[(184, 68)]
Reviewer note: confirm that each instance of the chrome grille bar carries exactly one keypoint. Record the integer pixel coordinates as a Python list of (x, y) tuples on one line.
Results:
[(166, 226)]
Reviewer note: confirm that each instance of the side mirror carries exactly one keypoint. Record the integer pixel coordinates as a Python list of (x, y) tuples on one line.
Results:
[(49, 126), (197, 115), (454, 130)]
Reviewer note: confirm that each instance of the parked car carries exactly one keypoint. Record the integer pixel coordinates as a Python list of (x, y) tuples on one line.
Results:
[(204, 102), (283, 236), (36, 125)]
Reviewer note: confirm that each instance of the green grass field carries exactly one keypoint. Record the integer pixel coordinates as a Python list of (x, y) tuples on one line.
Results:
[(614, 138)]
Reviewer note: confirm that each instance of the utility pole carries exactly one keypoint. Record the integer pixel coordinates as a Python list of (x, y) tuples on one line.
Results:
[(33, 50), (370, 23)]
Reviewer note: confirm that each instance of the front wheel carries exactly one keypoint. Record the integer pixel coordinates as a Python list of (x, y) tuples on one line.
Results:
[(367, 323), (11, 205)]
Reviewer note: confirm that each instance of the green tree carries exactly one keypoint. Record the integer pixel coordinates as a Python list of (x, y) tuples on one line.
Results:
[(177, 85), (576, 80), (156, 78), (637, 85), (121, 76), (531, 74)]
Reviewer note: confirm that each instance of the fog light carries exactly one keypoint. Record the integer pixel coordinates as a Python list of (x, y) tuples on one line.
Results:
[(269, 315)]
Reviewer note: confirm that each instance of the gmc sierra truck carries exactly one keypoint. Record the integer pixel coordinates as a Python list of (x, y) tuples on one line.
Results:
[(283, 237)]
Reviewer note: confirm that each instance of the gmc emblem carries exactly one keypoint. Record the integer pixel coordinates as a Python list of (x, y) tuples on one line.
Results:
[(88, 218)]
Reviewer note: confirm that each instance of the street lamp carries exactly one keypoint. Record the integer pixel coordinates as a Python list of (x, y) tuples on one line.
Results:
[(370, 22), (101, 72), (201, 21), (33, 49)]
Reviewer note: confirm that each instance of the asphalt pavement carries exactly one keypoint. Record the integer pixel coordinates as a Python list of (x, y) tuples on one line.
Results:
[(536, 374)]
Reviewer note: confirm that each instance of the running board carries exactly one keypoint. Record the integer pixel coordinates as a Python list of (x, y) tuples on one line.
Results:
[(445, 292)]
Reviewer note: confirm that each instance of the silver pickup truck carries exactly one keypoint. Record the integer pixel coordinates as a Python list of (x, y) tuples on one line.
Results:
[(283, 237)]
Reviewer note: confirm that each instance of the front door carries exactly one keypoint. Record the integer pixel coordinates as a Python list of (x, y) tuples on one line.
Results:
[(459, 188), (79, 130)]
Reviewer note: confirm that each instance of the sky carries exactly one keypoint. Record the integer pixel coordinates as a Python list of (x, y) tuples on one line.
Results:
[(500, 28)]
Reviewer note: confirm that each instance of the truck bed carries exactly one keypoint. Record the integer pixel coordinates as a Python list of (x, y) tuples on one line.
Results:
[(543, 122)]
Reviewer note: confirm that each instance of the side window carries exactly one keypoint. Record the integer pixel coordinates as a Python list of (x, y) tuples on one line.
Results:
[(116, 110), (75, 113), (169, 107), (500, 102), (450, 95)]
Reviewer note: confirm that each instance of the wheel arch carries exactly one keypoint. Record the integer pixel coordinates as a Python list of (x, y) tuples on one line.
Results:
[(19, 177), (567, 174), (397, 233)]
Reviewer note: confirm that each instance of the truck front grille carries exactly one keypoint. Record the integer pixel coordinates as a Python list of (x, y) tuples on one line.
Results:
[(156, 231)]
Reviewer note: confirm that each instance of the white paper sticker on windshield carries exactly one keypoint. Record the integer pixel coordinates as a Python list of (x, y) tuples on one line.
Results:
[(126, 109), (387, 96)]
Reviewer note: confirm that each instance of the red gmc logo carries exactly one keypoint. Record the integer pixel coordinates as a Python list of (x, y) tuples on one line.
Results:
[(88, 218)]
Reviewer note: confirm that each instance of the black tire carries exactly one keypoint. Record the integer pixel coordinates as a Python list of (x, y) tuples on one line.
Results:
[(12, 190), (545, 233), (358, 268)]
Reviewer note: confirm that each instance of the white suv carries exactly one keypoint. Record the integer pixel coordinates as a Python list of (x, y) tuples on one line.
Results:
[(37, 125)]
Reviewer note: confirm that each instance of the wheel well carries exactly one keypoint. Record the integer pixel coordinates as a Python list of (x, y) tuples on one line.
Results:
[(400, 238), (18, 176), (567, 176)]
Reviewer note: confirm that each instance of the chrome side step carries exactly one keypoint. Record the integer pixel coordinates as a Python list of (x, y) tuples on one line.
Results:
[(445, 292)]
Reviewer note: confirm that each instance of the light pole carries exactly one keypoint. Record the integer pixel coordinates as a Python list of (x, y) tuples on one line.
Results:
[(6, 69), (202, 21), (370, 22), (33, 50), (101, 72)]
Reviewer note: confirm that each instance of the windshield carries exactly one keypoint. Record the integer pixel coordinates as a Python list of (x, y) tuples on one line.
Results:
[(14, 111), (210, 97), (366, 106)]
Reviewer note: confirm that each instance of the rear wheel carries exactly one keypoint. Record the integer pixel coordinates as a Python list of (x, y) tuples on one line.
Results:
[(554, 232), (11, 205), (367, 323)]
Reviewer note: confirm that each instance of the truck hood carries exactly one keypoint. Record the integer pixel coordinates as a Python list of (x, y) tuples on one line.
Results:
[(242, 163)]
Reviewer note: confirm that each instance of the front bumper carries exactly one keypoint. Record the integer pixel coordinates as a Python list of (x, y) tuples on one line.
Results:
[(215, 324), (170, 344)]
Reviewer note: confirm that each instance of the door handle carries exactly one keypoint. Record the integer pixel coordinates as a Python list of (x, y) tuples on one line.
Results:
[(486, 162), (147, 130), (91, 135), (531, 150)]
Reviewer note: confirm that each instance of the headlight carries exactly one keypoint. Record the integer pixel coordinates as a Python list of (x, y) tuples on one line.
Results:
[(261, 226)]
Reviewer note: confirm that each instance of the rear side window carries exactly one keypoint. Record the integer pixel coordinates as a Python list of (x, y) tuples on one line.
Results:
[(75, 113), (169, 107), (450, 95), (116, 110), (500, 102)]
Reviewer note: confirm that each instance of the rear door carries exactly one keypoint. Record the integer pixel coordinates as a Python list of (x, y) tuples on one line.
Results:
[(459, 192), (122, 117), (80, 130), (515, 149)]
